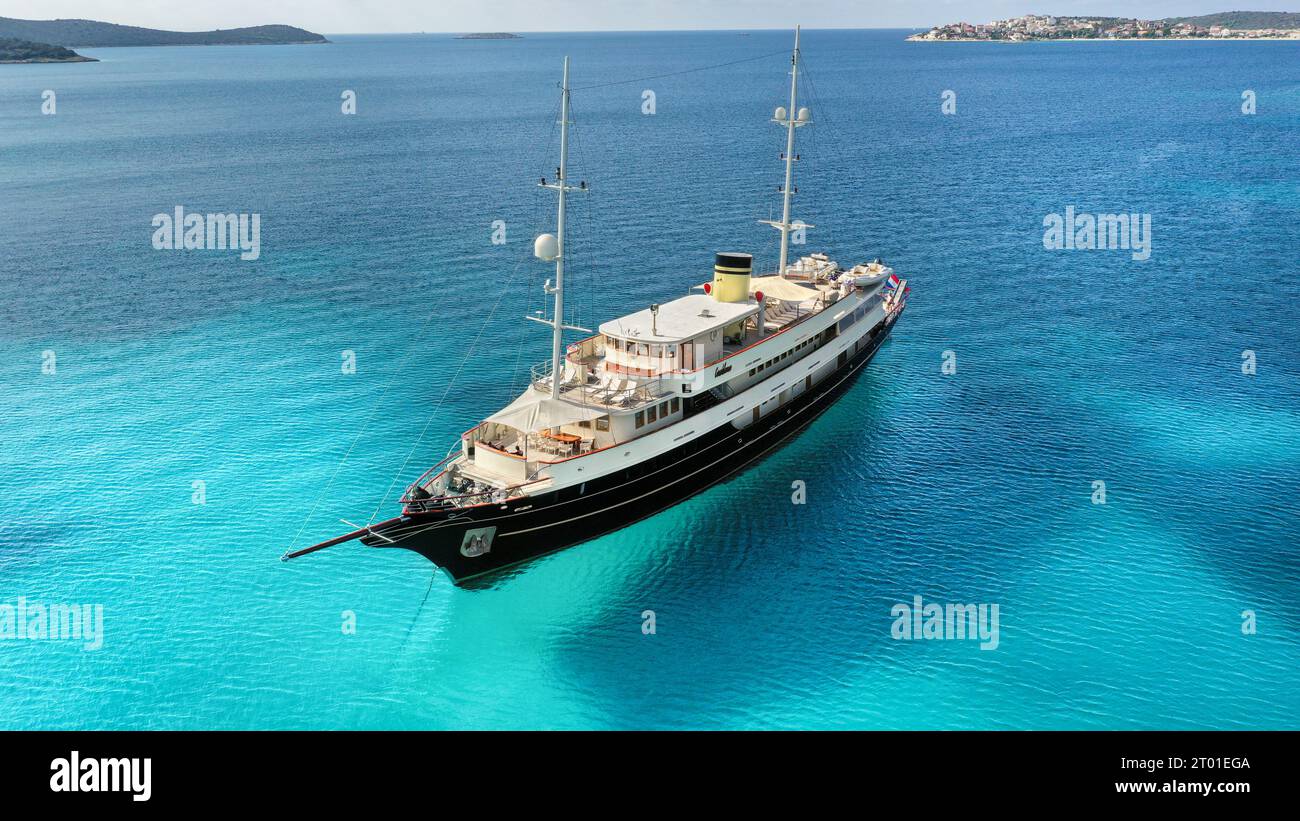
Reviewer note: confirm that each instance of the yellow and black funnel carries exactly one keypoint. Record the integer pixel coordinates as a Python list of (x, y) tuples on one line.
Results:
[(731, 276)]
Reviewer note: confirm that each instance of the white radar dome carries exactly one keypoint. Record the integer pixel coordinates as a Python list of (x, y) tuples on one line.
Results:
[(546, 247), (804, 115), (780, 113)]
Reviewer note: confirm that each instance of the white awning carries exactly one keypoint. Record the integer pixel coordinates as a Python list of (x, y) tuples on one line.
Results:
[(534, 411), (775, 287)]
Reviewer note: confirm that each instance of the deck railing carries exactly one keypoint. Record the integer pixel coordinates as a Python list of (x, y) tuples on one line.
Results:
[(618, 393)]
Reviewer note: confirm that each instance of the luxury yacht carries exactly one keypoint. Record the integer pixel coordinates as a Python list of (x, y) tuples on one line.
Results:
[(656, 406)]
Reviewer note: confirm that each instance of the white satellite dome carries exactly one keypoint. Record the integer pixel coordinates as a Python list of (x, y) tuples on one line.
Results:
[(804, 115), (546, 247), (780, 113)]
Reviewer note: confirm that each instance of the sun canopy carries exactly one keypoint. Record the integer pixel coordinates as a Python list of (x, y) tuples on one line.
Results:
[(775, 287), (534, 411)]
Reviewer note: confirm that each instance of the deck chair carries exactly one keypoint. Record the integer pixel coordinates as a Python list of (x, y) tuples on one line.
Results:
[(606, 389)]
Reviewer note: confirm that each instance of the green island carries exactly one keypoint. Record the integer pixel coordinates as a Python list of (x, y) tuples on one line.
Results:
[(1231, 25), (25, 51), (94, 34)]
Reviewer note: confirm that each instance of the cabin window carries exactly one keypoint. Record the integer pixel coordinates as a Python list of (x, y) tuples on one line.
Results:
[(602, 423), (677, 403), (757, 413), (752, 371), (663, 409), (650, 413), (584, 423), (640, 419), (686, 388)]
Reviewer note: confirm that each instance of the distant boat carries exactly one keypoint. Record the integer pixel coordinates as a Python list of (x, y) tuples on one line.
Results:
[(657, 406)]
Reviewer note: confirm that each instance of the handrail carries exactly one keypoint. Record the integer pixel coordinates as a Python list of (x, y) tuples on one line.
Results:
[(422, 504), (451, 454), (647, 390)]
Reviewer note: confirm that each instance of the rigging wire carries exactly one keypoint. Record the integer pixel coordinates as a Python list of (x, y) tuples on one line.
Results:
[(831, 141), (584, 275), (678, 73), (468, 354), (412, 350), (517, 380), (424, 326), (361, 430), (446, 391)]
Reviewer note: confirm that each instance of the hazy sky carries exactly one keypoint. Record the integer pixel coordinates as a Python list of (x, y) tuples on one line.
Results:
[(340, 16)]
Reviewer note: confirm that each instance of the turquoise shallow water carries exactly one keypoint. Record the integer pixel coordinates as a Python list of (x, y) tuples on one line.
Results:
[(974, 487)]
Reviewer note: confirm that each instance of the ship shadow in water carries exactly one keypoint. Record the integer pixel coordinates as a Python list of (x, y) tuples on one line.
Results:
[(747, 617), (753, 628)]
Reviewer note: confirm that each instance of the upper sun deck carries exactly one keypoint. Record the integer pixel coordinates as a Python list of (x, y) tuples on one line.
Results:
[(680, 320)]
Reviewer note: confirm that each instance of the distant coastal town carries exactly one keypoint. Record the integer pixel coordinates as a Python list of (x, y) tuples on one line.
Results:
[(1032, 27)]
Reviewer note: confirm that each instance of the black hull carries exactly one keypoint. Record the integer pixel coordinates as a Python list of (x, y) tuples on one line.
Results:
[(526, 528)]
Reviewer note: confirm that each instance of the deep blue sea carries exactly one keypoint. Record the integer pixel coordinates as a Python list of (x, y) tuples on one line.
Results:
[(172, 368)]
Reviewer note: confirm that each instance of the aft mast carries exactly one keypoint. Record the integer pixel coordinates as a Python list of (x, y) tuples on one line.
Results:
[(791, 121), (550, 247)]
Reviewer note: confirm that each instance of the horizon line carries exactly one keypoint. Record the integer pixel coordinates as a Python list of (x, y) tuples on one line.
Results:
[(636, 31)]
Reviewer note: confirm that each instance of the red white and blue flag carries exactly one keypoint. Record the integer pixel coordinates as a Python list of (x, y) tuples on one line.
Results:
[(892, 282)]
